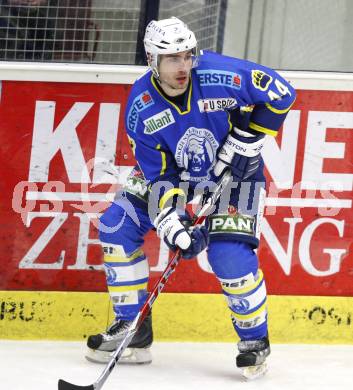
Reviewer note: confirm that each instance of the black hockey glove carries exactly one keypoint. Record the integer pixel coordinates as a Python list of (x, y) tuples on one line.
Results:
[(240, 153), (176, 232)]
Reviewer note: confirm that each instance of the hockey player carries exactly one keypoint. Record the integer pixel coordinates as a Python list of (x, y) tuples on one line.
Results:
[(188, 119)]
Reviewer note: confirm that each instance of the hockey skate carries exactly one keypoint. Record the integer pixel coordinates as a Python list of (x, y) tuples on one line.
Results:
[(252, 357), (101, 346)]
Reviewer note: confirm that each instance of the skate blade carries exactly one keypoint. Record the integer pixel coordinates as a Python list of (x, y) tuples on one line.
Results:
[(130, 356), (254, 372)]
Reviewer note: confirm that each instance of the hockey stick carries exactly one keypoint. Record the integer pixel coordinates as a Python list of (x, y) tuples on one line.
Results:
[(198, 218)]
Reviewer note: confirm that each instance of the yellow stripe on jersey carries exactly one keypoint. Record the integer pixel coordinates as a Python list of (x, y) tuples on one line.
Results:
[(276, 110), (229, 122), (239, 291), (169, 194), (164, 160), (242, 317), (141, 286), (262, 129), (123, 259)]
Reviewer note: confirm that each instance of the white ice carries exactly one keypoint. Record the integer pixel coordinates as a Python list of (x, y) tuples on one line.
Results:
[(26, 365)]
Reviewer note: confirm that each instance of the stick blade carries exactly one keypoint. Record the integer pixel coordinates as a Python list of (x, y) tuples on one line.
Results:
[(63, 385)]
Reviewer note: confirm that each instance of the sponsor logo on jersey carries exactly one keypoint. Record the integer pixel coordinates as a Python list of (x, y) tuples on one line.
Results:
[(232, 224), (196, 154), (219, 77), (137, 185), (260, 79), (140, 103), (158, 122), (219, 104)]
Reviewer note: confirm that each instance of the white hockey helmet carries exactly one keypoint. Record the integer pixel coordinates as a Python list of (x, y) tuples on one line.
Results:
[(168, 36)]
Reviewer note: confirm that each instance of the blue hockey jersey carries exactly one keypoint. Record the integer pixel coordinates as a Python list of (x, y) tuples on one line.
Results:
[(174, 144)]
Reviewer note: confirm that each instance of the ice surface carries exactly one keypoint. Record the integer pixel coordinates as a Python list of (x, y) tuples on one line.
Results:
[(31, 365)]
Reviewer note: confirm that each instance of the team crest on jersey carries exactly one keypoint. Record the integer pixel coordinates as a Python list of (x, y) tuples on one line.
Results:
[(220, 104), (159, 121), (219, 77), (195, 152), (140, 103), (260, 79)]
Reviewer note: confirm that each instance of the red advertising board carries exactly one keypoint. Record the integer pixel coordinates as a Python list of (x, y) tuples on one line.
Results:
[(62, 142)]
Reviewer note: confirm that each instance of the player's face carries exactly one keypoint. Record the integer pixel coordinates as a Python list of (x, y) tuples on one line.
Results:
[(174, 72)]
